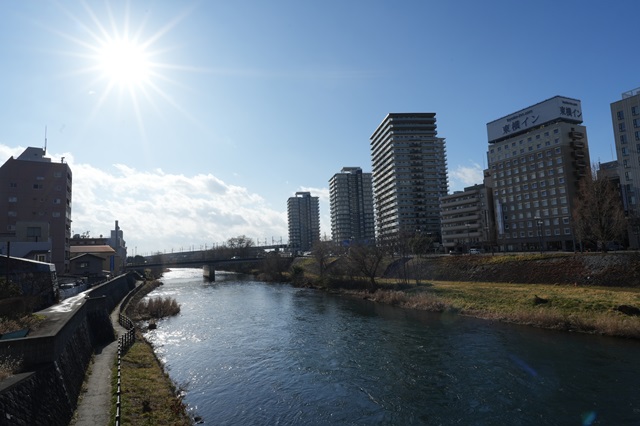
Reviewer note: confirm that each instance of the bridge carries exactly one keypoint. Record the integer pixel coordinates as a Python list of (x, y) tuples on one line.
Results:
[(208, 266)]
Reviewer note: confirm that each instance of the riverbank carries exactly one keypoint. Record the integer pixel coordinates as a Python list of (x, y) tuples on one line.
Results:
[(149, 396), (590, 293), (593, 310)]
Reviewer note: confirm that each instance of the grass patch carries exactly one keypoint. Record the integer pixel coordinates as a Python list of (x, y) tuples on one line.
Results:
[(149, 397), (562, 307), (32, 322)]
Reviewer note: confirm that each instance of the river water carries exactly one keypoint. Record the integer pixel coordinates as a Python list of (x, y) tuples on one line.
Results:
[(252, 353)]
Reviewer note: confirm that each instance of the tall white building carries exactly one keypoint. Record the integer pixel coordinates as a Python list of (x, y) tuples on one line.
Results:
[(536, 158), (303, 213), (409, 175), (351, 204)]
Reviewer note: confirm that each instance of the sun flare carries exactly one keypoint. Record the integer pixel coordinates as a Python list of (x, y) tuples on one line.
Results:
[(124, 62)]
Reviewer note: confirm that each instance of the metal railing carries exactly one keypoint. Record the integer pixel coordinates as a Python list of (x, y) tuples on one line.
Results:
[(124, 343)]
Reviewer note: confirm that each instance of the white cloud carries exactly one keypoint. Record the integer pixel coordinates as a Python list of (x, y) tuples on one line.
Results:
[(158, 211), (463, 176)]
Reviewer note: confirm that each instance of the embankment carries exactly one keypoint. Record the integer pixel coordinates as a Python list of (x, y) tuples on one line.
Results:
[(620, 269), (54, 359)]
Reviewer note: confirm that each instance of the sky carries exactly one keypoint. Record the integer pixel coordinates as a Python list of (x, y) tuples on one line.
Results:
[(193, 122)]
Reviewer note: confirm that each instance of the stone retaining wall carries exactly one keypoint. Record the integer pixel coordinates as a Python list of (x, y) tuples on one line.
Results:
[(48, 394)]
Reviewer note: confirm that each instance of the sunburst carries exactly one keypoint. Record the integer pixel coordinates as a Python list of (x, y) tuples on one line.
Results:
[(122, 60)]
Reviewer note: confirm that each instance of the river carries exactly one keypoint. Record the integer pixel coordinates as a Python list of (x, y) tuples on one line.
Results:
[(252, 353)]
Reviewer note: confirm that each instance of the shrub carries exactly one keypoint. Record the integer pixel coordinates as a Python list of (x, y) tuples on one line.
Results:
[(158, 307), (8, 367)]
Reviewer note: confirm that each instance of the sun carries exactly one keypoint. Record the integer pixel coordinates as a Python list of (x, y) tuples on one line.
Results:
[(124, 62)]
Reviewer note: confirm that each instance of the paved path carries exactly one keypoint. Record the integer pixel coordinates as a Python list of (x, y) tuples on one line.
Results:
[(94, 404)]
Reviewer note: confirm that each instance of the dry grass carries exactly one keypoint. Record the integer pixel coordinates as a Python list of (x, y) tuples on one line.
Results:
[(31, 322), (157, 307), (582, 309), (149, 397), (9, 367)]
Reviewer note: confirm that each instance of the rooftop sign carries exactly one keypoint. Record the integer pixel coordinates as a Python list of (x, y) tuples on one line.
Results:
[(556, 108)]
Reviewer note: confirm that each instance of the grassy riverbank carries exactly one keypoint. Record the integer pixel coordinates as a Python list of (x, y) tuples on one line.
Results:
[(561, 307), (149, 397), (589, 293)]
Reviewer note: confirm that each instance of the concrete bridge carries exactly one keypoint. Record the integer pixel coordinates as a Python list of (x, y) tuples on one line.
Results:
[(208, 266)]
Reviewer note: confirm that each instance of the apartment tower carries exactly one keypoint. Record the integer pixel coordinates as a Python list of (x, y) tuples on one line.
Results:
[(536, 157), (303, 213), (351, 204), (625, 116), (35, 193), (409, 176)]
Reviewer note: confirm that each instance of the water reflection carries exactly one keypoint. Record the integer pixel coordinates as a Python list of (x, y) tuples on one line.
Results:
[(257, 353)]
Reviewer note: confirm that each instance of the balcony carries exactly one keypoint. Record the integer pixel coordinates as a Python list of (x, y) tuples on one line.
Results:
[(576, 135)]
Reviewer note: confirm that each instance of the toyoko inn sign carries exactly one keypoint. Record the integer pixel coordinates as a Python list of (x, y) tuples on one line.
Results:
[(552, 109)]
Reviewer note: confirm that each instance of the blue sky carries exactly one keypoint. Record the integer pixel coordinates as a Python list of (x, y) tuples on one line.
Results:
[(235, 106)]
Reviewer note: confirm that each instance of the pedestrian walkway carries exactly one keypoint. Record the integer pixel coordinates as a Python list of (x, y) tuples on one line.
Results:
[(94, 404)]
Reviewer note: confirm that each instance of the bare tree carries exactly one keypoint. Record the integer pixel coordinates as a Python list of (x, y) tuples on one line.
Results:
[(240, 245), (366, 259), (598, 213), (322, 251)]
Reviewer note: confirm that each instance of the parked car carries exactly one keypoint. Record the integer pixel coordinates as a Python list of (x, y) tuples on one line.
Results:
[(474, 251)]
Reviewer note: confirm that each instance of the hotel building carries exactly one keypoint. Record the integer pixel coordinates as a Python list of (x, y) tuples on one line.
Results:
[(536, 157)]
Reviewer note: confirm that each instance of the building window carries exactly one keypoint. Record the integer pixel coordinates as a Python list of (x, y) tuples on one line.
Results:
[(623, 138), (634, 110), (620, 115), (37, 186), (34, 231), (621, 127), (83, 265), (13, 199), (636, 123), (12, 213)]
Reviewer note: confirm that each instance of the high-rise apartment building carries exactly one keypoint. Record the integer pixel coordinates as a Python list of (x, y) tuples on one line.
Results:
[(409, 175), (536, 158), (303, 213), (351, 204), (35, 196), (625, 116)]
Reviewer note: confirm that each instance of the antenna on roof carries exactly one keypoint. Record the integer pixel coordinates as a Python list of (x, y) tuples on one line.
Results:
[(45, 139)]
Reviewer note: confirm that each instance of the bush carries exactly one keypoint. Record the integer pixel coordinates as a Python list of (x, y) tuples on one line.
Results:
[(157, 307), (8, 367)]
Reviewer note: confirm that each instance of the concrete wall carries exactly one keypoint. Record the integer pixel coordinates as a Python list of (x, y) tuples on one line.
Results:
[(48, 394)]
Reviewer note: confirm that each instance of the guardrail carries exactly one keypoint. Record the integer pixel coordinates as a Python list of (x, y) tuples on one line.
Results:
[(124, 343)]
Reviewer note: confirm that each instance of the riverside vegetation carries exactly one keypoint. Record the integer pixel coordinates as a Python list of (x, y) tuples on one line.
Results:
[(590, 293), (149, 396)]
